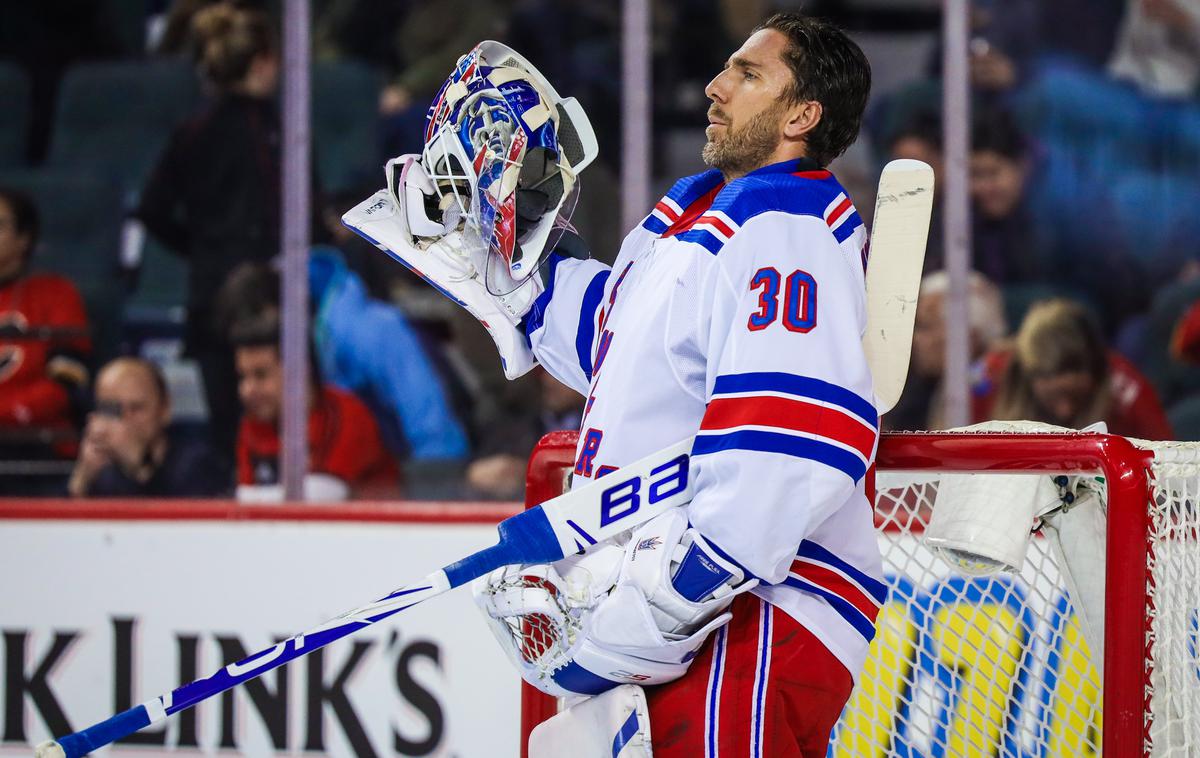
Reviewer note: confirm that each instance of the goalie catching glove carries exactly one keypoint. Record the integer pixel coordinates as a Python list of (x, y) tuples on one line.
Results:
[(617, 615), (484, 205)]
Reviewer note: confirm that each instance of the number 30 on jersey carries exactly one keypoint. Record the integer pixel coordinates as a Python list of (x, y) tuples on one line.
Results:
[(799, 307)]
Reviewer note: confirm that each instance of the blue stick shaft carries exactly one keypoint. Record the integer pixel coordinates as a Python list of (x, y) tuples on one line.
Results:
[(524, 538), (140, 716)]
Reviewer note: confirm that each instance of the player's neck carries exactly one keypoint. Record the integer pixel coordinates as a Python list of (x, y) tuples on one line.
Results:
[(784, 151)]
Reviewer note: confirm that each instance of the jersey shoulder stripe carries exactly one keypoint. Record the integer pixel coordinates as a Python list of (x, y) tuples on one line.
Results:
[(682, 194), (810, 193)]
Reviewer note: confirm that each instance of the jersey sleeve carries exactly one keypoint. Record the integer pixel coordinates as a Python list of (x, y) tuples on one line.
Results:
[(561, 326), (790, 426)]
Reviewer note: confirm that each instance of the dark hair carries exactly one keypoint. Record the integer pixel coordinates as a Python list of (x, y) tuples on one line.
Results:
[(261, 330), (250, 290), (923, 124), (264, 330), (828, 67), (227, 38), (996, 131), (25, 214)]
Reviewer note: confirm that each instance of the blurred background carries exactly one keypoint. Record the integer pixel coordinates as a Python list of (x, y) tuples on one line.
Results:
[(140, 197)]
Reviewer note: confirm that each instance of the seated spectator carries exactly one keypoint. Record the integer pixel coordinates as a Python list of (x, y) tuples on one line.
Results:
[(1060, 371), (1009, 242), (44, 343), (345, 454), (920, 406), (129, 449), (370, 347), (366, 346)]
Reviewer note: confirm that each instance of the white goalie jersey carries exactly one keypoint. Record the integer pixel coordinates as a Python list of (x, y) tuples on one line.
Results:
[(736, 312)]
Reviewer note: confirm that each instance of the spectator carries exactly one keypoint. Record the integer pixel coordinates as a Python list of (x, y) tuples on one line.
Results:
[(500, 472), (430, 41), (370, 348), (367, 347), (1061, 372), (214, 196), (129, 449), (1007, 242), (921, 405), (44, 343), (346, 455)]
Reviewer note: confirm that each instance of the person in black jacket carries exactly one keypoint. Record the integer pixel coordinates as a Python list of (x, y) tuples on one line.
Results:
[(129, 449), (214, 197)]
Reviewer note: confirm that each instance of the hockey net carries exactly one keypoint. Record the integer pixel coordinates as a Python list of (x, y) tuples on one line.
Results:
[(998, 665)]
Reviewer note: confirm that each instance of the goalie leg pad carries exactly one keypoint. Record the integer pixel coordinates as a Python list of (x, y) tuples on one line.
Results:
[(613, 725)]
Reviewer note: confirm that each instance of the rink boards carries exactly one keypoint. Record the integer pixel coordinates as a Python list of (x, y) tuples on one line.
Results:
[(106, 612), (105, 605)]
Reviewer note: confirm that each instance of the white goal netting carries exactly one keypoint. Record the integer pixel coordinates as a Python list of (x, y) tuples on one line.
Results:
[(1000, 665)]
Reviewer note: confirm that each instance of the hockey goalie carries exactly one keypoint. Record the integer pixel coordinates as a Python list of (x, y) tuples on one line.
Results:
[(735, 312)]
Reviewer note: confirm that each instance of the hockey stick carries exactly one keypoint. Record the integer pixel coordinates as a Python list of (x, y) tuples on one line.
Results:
[(903, 205), (563, 526), (571, 522)]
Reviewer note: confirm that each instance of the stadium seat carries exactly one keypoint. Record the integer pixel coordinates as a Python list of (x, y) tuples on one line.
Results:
[(345, 98), (14, 93), (113, 119), (157, 306), (81, 219)]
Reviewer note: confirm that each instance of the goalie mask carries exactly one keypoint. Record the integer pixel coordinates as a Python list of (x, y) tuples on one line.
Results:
[(504, 152)]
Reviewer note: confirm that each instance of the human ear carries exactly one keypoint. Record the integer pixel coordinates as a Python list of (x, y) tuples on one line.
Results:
[(803, 118)]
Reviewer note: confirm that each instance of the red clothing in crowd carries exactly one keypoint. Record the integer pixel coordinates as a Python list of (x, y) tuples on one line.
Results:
[(29, 396), (343, 441), (1135, 412)]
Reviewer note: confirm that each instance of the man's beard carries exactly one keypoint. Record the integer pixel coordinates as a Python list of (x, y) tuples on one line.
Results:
[(742, 150)]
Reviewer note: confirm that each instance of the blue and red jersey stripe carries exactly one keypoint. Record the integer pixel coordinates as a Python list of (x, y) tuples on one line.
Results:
[(792, 415)]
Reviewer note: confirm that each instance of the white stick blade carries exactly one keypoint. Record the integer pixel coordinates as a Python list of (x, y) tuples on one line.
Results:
[(901, 226)]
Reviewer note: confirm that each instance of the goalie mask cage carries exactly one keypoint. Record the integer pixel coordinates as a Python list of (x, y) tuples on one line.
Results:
[(998, 665)]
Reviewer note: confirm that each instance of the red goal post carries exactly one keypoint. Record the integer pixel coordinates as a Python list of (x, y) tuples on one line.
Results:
[(996, 665)]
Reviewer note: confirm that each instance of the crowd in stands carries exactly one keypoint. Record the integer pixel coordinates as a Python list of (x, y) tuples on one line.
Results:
[(140, 205)]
